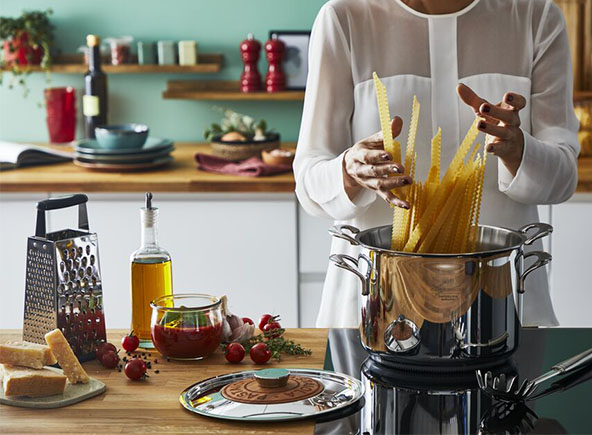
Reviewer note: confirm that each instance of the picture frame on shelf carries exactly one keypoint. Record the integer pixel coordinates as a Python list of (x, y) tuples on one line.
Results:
[(295, 62)]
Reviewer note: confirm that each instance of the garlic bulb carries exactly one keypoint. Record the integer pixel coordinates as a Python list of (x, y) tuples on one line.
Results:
[(234, 329)]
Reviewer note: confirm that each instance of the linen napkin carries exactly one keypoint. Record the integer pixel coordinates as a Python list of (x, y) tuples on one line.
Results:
[(253, 167)]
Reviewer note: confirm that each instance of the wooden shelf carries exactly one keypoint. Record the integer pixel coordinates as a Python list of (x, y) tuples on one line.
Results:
[(582, 95), (72, 64), (223, 91)]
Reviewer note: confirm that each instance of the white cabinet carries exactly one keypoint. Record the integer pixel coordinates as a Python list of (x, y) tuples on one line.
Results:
[(314, 243), (244, 246), (571, 283)]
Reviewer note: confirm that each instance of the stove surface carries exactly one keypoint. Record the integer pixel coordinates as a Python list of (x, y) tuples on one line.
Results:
[(398, 401)]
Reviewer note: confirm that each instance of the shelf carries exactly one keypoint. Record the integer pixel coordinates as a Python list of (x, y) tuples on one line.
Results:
[(223, 91), (582, 95), (72, 64)]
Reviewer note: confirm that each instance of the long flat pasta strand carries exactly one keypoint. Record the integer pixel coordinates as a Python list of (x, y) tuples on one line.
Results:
[(390, 145)]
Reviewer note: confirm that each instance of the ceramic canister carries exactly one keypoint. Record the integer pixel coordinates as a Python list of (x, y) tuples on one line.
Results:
[(166, 53), (146, 53), (187, 52)]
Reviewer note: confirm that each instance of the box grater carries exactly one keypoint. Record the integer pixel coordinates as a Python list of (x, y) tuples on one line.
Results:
[(63, 281)]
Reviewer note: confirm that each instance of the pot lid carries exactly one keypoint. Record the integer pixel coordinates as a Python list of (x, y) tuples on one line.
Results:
[(307, 393)]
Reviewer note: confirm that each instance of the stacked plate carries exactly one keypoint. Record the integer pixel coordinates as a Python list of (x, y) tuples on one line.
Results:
[(153, 154)]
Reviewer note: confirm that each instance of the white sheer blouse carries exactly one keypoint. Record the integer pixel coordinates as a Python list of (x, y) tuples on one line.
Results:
[(493, 46)]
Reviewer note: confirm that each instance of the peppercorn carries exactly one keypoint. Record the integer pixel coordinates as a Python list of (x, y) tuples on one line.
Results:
[(156, 371)]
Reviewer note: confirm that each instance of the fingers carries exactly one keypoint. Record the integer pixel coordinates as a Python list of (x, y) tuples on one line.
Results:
[(515, 101), (498, 131), (391, 198), (387, 183), (469, 97), (396, 126), (377, 171), (507, 116)]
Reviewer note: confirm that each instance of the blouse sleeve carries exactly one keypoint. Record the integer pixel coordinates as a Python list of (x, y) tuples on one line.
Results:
[(325, 130), (548, 172)]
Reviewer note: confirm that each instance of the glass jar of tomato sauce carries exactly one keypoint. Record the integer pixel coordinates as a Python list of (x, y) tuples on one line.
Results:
[(186, 326)]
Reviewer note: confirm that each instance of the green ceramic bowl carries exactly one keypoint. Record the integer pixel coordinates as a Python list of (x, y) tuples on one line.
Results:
[(126, 136)]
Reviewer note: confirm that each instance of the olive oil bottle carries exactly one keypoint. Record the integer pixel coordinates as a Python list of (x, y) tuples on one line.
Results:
[(151, 274)]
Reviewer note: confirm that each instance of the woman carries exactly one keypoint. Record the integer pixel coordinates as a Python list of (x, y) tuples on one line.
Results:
[(510, 62)]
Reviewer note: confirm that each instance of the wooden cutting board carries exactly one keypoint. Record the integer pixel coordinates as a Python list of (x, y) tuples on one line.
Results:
[(153, 405)]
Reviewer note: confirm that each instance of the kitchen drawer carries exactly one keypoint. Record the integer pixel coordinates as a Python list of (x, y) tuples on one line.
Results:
[(314, 242), (311, 289), (241, 245), (17, 223), (571, 284)]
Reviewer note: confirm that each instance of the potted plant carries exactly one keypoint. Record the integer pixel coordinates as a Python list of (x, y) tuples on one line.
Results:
[(27, 40), (239, 137)]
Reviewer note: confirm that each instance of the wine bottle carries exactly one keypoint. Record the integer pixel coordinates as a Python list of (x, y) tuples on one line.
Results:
[(94, 100)]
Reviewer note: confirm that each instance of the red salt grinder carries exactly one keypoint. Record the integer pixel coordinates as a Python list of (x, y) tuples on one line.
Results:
[(276, 79), (250, 80)]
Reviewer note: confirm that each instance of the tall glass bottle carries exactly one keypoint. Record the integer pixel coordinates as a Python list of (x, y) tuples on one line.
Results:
[(94, 100), (151, 274)]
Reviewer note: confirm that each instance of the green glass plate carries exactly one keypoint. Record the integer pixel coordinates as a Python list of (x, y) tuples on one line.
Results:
[(91, 146)]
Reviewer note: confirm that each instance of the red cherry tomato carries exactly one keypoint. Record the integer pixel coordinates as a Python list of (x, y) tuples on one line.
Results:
[(103, 348), (264, 320), (130, 342), (235, 352), (248, 320), (109, 359), (273, 328), (260, 354), (135, 369)]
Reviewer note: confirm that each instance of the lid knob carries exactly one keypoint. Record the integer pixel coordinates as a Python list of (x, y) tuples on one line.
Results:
[(272, 378)]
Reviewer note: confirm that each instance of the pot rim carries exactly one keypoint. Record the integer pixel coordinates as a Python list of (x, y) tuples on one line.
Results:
[(519, 234)]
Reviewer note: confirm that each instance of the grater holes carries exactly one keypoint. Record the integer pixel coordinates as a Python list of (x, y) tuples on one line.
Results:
[(84, 261)]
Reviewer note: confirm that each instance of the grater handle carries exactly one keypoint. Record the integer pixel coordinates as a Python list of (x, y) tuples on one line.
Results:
[(78, 199)]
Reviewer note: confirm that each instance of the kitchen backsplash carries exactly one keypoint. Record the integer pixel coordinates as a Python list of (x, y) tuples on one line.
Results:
[(218, 26)]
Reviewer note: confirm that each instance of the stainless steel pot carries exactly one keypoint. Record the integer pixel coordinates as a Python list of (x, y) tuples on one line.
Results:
[(446, 311)]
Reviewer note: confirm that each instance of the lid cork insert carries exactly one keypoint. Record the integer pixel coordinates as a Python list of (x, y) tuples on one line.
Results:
[(272, 386)]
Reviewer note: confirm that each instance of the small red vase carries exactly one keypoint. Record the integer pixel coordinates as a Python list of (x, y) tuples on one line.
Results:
[(22, 53)]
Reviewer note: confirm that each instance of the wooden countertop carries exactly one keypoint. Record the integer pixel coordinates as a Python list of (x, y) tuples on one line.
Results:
[(180, 176), (153, 405)]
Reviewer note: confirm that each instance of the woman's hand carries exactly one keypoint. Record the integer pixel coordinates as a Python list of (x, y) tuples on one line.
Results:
[(501, 121), (368, 165)]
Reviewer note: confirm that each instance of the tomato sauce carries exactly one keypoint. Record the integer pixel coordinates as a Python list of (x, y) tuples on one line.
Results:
[(187, 343)]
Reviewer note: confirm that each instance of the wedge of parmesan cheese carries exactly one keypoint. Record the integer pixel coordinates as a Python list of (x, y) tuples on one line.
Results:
[(66, 358), (24, 381), (22, 353)]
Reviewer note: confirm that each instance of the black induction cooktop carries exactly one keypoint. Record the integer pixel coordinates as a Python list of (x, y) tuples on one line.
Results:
[(405, 402)]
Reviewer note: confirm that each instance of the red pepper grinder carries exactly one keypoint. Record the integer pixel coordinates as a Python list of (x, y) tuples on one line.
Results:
[(275, 80), (250, 80)]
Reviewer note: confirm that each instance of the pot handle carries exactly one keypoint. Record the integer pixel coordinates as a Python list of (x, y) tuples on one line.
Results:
[(341, 261), (338, 231), (543, 258), (542, 231)]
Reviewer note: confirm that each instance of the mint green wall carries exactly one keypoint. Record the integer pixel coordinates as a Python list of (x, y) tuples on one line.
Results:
[(217, 25)]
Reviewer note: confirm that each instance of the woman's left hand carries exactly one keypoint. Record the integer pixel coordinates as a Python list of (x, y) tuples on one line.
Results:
[(501, 121)]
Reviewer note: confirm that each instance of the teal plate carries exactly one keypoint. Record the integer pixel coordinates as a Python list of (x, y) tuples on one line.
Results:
[(206, 398), (91, 146), (124, 158)]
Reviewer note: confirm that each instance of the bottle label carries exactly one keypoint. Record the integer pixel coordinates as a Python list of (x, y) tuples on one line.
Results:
[(90, 105)]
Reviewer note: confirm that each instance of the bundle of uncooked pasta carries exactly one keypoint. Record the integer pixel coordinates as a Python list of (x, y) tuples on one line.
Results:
[(444, 211)]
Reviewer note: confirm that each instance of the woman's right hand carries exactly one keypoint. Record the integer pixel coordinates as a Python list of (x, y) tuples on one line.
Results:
[(368, 165)]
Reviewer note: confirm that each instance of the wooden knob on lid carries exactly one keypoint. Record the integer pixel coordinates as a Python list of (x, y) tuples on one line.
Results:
[(272, 378)]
